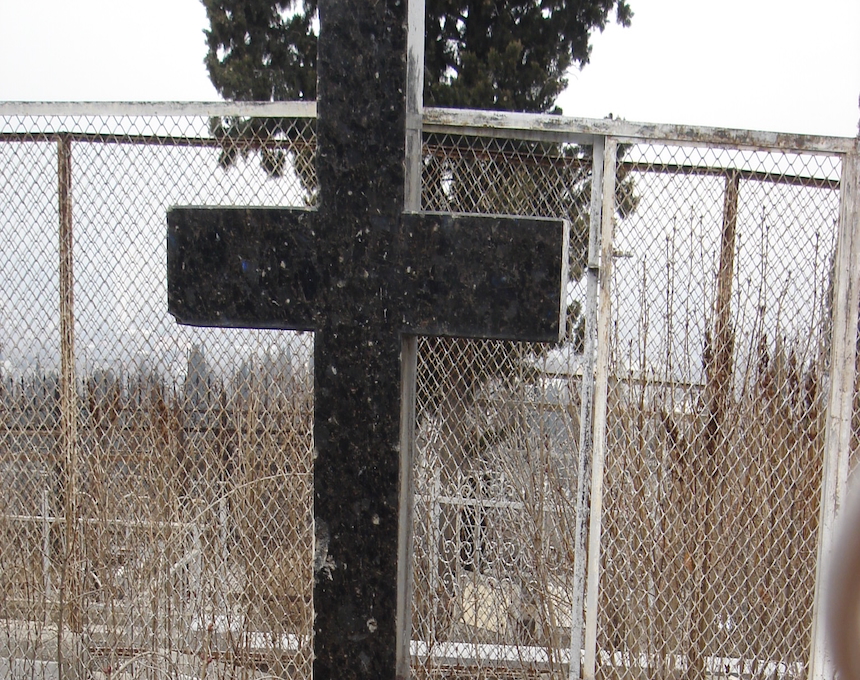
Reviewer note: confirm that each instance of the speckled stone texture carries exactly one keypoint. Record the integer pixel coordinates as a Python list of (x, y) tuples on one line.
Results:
[(475, 276), (361, 149), (360, 273), (242, 267)]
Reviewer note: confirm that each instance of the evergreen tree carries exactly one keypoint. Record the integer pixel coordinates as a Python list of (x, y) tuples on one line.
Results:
[(262, 50), (508, 54), (488, 54)]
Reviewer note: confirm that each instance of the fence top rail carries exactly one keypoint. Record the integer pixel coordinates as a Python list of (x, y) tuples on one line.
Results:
[(291, 109), (539, 127), (564, 128)]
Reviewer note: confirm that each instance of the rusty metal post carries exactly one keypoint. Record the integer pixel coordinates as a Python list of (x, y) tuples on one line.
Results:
[(719, 359), (68, 449)]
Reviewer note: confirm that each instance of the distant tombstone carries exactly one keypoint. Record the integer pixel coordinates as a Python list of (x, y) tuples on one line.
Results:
[(362, 275)]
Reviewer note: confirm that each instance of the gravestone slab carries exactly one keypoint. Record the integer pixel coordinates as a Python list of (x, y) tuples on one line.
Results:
[(360, 273)]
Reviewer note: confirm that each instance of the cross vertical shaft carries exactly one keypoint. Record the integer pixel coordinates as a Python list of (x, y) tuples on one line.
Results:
[(361, 133)]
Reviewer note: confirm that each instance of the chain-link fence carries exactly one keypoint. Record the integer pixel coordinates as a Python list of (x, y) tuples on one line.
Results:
[(157, 507), (715, 430), (157, 516)]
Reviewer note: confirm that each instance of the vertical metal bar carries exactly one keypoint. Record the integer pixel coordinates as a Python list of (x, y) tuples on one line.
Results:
[(434, 532), (196, 575), (600, 401), (70, 578), (837, 436), (414, 103), (725, 275), (223, 537), (586, 443), (409, 362), (69, 587), (409, 344)]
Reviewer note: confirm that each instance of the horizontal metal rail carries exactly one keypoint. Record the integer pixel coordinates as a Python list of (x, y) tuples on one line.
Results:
[(121, 522), (475, 502), (291, 109), (440, 151), (562, 128), (530, 126), (249, 144)]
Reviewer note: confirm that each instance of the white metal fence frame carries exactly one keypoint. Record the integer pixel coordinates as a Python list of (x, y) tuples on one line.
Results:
[(604, 136)]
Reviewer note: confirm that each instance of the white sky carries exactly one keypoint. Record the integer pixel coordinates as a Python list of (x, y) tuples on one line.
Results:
[(784, 65)]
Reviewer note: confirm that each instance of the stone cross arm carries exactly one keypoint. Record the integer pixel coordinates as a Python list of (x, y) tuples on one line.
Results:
[(475, 276)]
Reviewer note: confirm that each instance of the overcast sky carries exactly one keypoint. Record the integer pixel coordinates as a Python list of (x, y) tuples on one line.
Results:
[(784, 65)]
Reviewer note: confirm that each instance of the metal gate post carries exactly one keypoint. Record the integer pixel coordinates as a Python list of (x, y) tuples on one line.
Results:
[(837, 437), (600, 398), (409, 345), (593, 405), (70, 578)]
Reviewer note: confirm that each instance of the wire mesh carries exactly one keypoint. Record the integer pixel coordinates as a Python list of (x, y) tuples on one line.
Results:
[(715, 435), (498, 425), (157, 518), (718, 374), (494, 511), (189, 549)]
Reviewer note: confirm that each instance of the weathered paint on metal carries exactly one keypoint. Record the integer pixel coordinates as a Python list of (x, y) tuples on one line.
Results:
[(837, 438), (466, 121), (586, 434), (409, 343), (291, 109), (69, 587), (601, 388)]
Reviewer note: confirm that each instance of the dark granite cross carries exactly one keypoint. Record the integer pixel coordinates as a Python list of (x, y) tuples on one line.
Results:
[(362, 274)]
